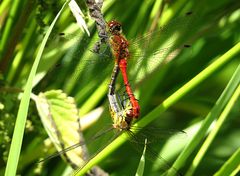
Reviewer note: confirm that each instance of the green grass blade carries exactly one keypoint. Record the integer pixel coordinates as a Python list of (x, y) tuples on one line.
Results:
[(141, 164), (95, 98), (212, 135), (11, 22), (190, 85), (231, 167), (214, 113), (16, 144), (164, 106)]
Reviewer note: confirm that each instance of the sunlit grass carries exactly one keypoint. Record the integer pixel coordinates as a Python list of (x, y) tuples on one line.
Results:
[(198, 86)]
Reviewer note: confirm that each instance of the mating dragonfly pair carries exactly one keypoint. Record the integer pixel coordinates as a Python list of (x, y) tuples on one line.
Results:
[(122, 116), (134, 54)]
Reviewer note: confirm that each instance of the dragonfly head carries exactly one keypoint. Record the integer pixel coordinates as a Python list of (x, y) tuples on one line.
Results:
[(114, 27)]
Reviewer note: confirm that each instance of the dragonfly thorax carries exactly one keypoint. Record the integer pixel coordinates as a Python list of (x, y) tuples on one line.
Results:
[(119, 46)]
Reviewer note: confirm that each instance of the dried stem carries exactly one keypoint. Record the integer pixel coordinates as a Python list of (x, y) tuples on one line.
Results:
[(96, 14)]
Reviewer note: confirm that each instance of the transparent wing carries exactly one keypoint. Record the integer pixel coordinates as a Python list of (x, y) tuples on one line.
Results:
[(159, 47), (77, 145), (153, 134), (154, 138), (162, 39), (80, 68), (147, 53)]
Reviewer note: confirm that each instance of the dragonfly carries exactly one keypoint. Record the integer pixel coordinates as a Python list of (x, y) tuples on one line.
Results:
[(136, 59), (143, 51), (119, 46), (120, 49)]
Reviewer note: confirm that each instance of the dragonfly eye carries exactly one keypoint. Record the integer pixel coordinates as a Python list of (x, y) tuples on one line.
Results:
[(117, 28), (114, 27)]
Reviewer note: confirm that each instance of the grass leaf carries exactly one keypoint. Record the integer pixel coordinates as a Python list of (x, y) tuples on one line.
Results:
[(16, 144)]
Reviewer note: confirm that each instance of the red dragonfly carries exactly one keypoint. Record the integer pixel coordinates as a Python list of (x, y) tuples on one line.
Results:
[(140, 56), (119, 46), (120, 49), (136, 59)]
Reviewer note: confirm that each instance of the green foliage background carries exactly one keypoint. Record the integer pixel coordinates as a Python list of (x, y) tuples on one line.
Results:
[(214, 31)]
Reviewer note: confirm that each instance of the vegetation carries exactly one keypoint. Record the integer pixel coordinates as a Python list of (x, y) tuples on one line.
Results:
[(194, 89)]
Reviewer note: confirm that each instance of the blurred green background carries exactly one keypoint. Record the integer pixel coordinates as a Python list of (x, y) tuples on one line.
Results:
[(214, 29)]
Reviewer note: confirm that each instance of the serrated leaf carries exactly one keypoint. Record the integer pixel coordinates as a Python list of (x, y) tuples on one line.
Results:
[(59, 115)]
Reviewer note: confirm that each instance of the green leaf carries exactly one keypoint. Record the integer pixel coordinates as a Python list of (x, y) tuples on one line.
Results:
[(59, 115), (212, 115), (16, 144), (231, 167), (140, 169), (219, 123)]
